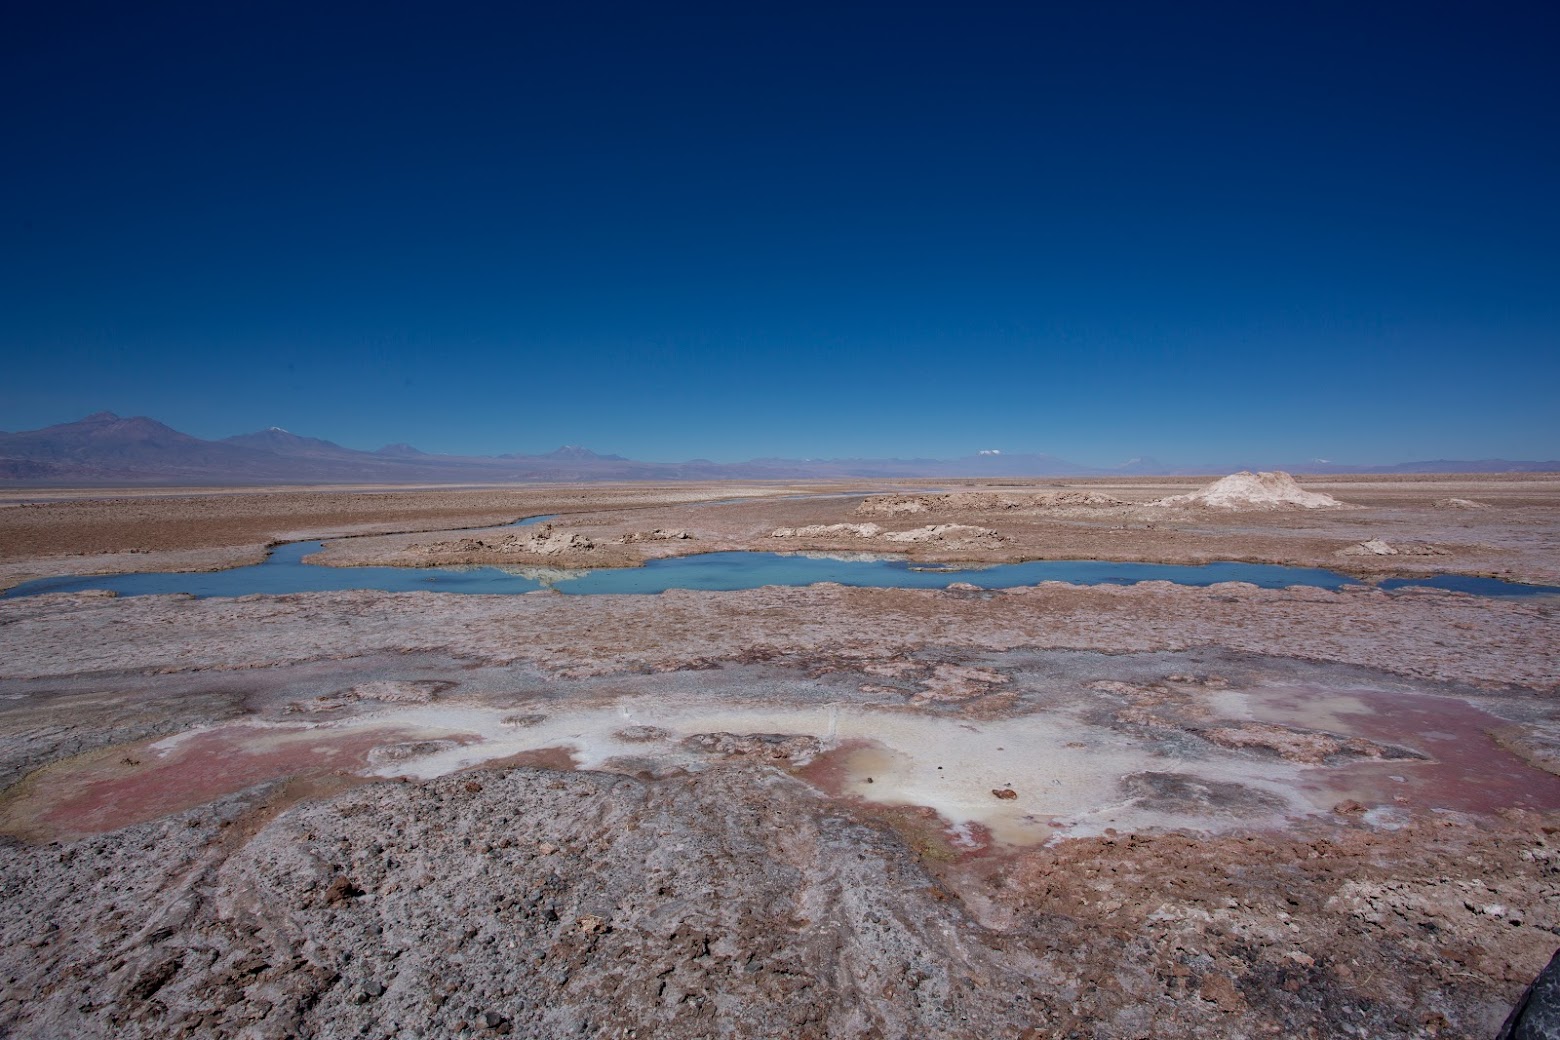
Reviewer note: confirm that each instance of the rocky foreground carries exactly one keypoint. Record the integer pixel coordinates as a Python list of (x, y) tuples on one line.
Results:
[(742, 896), (1289, 813), (538, 903)]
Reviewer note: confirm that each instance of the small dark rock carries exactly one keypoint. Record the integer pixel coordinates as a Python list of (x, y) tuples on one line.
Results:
[(641, 734), (155, 978), (1537, 1014), (341, 889)]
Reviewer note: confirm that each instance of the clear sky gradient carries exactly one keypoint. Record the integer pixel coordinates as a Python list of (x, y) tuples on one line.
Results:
[(1197, 232)]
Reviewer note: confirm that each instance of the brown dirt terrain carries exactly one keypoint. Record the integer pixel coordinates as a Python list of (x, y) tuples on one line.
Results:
[(1506, 526), (46, 533), (1057, 811), (1513, 536)]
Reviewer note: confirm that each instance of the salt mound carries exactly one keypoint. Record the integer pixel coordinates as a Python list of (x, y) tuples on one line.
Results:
[(541, 540), (1247, 490), (1086, 499), (1374, 547), (825, 530), (888, 505), (658, 535), (945, 533), (988, 501), (1377, 547)]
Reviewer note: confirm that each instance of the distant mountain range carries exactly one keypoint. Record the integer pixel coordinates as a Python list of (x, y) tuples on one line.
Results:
[(106, 449)]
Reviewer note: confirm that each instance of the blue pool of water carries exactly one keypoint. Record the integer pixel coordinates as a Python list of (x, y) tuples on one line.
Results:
[(284, 572)]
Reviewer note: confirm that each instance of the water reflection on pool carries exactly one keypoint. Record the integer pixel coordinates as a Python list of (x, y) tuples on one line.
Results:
[(284, 572)]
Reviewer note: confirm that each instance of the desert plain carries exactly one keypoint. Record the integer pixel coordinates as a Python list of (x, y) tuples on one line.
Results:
[(1056, 810)]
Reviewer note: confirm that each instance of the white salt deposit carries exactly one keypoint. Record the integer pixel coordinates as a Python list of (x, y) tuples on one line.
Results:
[(824, 530), (1065, 774), (1247, 490), (1374, 547), (943, 533)]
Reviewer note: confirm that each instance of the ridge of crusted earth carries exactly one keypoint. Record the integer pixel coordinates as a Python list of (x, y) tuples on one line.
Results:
[(745, 894), (1434, 635), (542, 903)]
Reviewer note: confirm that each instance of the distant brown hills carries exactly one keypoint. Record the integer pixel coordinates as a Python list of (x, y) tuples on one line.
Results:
[(107, 449)]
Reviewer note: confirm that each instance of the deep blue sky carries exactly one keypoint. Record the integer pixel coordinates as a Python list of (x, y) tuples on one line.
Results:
[(1199, 232)]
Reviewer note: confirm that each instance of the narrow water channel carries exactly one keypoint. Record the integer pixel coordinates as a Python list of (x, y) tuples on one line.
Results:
[(284, 572)]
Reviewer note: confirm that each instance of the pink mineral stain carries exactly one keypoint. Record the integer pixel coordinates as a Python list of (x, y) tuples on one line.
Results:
[(131, 784), (1466, 771)]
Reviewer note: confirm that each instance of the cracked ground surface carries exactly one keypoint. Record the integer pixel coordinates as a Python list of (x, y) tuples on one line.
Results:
[(1152, 811)]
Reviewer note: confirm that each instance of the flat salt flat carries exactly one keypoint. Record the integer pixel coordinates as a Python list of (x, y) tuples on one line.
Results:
[(1066, 774)]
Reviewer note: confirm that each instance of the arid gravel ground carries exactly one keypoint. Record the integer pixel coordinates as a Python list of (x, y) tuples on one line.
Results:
[(48, 532), (1497, 527), (1055, 811)]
